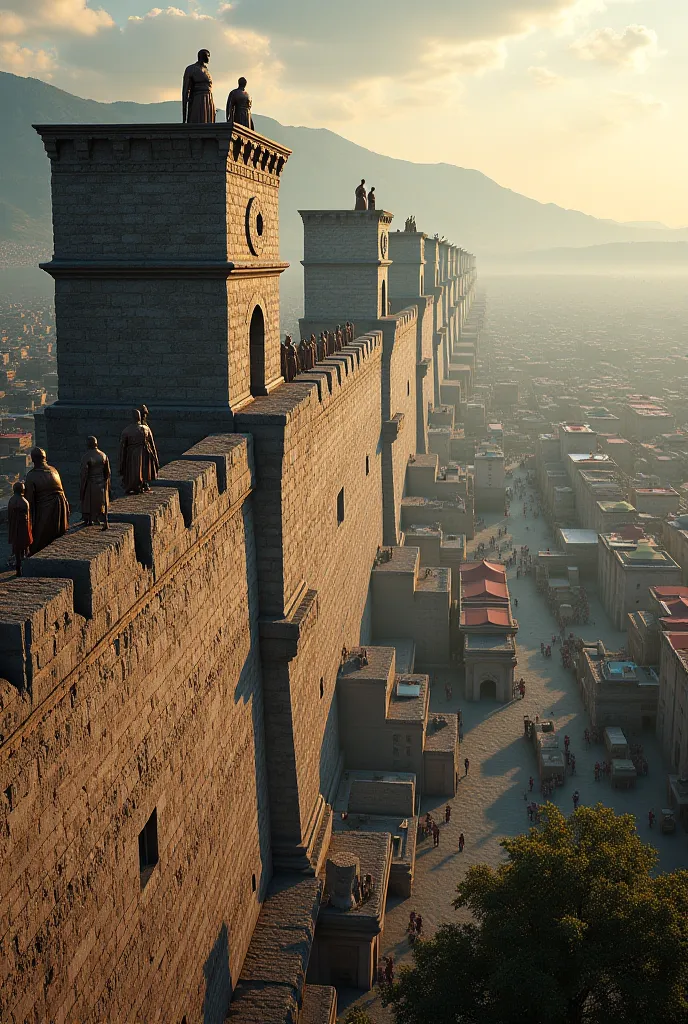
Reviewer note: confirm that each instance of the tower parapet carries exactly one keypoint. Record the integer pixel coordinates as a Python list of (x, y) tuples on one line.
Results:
[(345, 261), (166, 267)]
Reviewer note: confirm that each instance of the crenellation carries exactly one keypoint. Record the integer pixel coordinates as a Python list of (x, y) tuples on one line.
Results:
[(185, 666)]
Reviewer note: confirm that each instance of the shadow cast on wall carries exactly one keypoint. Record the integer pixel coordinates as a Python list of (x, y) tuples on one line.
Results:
[(218, 980)]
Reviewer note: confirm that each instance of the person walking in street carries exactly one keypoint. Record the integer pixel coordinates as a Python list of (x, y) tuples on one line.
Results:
[(462, 843), (447, 814), (389, 969), (435, 834), (651, 818), (419, 924), (466, 765), (576, 798), (531, 783)]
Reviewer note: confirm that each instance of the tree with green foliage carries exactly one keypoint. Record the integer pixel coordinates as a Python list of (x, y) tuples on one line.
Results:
[(358, 1016), (573, 928)]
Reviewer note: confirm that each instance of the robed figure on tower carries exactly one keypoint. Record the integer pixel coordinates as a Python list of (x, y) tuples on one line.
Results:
[(19, 525), (238, 109), (46, 497), (94, 490), (138, 456), (198, 106)]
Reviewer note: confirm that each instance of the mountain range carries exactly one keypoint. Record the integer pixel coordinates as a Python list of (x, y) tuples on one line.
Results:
[(464, 205)]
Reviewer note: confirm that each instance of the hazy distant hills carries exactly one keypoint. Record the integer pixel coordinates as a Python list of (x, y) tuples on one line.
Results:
[(465, 205), (612, 254)]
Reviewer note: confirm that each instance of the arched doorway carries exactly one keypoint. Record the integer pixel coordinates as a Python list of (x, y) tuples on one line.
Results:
[(257, 352), (488, 689), (384, 299)]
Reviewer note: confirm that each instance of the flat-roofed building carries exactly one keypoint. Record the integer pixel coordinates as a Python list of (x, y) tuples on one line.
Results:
[(620, 450), (612, 514), (675, 540), (576, 437), (627, 568), (643, 418), (656, 501), (580, 548), (616, 691), (672, 710), (490, 478)]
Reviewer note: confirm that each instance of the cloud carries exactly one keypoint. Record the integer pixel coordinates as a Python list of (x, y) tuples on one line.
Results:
[(339, 43), (474, 58), (32, 18), (21, 60), (544, 77), (144, 59), (628, 106), (631, 49)]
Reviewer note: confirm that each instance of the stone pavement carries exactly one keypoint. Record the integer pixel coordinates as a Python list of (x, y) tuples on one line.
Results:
[(489, 803)]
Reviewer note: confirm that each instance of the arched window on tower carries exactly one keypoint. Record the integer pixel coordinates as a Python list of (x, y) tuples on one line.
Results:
[(257, 352), (384, 299)]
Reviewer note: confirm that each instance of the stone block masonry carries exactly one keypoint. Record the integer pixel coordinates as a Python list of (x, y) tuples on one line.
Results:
[(316, 439), (134, 684), (169, 722), (166, 267)]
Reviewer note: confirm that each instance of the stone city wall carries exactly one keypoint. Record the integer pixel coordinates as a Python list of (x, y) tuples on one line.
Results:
[(399, 403), (134, 684), (314, 438)]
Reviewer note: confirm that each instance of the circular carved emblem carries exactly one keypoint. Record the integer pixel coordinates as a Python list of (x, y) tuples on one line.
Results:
[(383, 245), (255, 226)]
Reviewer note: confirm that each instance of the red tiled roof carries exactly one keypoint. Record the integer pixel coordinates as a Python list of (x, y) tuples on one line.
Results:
[(484, 589), (490, 616), (674, 624), (679, 641), (670, 591), (678, 608), (471, 571)]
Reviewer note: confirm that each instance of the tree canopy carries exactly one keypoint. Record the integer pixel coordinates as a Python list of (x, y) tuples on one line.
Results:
[(572, 929)]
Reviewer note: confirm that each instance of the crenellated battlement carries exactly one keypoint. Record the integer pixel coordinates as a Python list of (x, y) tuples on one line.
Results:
[(169, 723), (80, 592)]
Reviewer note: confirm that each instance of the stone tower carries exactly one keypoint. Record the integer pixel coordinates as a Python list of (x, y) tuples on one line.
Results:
[(346, 264), (407, 281), (166, 267)]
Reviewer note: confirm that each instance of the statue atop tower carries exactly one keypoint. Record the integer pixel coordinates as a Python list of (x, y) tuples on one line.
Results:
[(198, 106)]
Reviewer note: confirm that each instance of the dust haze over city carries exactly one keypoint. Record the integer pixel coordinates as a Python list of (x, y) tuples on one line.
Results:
[(344, 512)]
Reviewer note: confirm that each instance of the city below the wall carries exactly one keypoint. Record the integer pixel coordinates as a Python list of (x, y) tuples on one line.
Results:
[(297, 627)]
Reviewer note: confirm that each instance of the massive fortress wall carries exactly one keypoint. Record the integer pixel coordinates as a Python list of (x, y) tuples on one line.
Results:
[(316, 439), (135, 685), (185, 662)]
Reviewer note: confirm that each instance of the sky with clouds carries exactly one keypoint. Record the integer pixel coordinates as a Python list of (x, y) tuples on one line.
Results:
[(577, 102)]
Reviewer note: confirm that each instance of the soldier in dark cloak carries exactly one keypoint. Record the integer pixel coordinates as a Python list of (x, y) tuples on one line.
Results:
[(239, 103), (198, 106), (46, 497), (94, 490), (19, 525), (138, 456)]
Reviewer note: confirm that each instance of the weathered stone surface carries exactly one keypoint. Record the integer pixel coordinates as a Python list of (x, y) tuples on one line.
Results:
[(150, 702), (270, 989), (185, 662)]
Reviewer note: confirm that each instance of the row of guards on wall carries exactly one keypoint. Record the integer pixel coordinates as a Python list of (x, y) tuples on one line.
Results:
[(300, 358)]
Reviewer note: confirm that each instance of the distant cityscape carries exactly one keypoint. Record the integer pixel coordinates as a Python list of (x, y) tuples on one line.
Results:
[(28, 373)]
